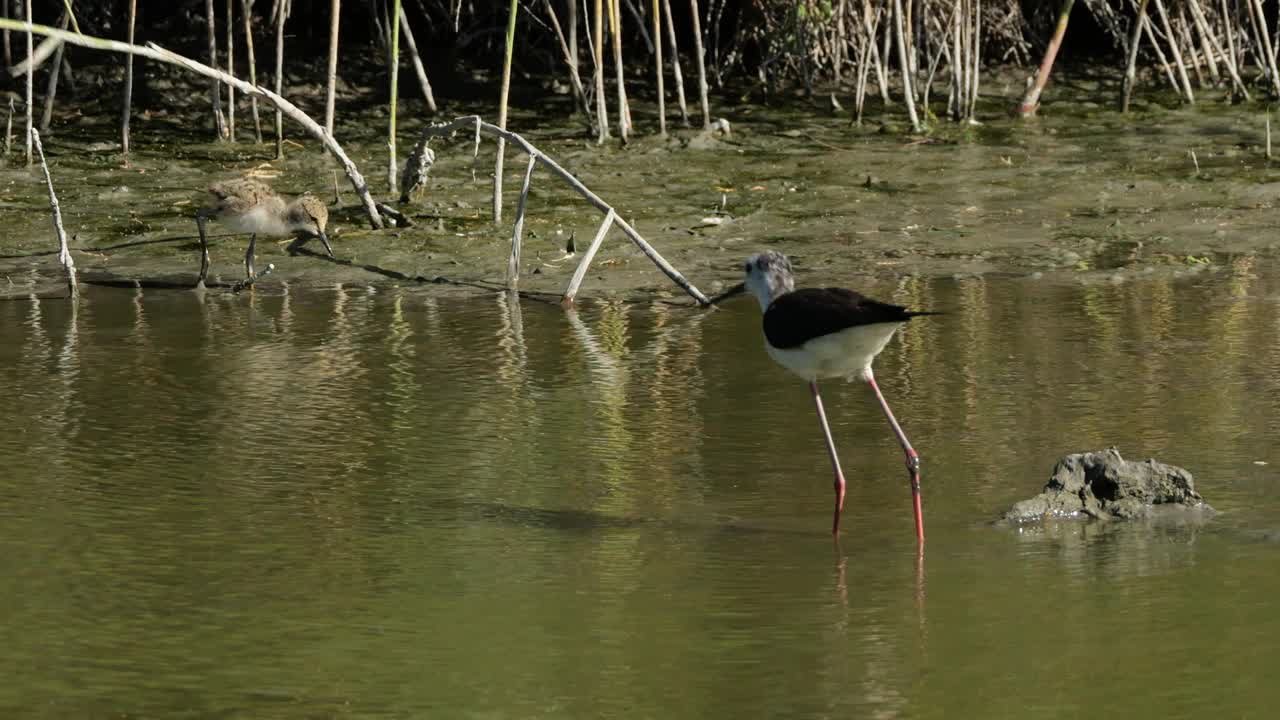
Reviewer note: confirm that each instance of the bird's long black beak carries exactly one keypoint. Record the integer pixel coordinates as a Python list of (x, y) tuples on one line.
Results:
[(324, 239), (735, 290)]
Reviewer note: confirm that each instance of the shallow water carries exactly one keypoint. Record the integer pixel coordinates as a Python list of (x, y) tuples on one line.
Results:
[(402, 503)]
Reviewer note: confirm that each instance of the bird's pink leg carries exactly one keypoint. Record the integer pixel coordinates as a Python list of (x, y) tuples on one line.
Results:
[(913, 458), (835, 461)]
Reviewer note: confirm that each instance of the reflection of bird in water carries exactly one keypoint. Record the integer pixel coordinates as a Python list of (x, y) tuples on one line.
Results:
[(250, 206), (825, 333)]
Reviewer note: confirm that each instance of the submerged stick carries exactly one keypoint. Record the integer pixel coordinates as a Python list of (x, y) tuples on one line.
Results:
[(579, 274), (247, 9), (474, 121), (64, 252), (418, 67), (335, 11), (502, 111), (127, 110), (517, 230)]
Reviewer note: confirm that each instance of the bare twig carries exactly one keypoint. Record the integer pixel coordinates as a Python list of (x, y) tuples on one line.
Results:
[(445, 129), (127, 110), (517, 229), (64, 252), (571, 291)]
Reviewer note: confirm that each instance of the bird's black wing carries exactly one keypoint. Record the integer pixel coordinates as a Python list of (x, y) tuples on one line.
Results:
[(802, 315)]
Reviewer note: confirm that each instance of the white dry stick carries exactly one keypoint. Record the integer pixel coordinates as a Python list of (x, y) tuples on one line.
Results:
[(247, 8), (580, 273), (335, 11), (64, 252), (513, 264), (445, 129), (30, 80), (1268, 134)]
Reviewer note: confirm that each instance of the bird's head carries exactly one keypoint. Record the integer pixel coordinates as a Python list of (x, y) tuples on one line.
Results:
[(308, 214), (768, 276)]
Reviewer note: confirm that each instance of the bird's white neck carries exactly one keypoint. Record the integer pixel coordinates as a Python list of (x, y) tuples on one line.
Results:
[(767, 286)]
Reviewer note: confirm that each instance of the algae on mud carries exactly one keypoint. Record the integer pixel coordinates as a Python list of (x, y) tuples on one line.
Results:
[(1070, 195)]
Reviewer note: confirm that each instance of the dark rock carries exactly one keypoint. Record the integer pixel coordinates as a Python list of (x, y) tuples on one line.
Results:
[(1104, 485)]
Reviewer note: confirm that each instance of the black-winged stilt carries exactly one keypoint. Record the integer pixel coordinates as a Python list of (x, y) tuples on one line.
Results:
[(825, 333)]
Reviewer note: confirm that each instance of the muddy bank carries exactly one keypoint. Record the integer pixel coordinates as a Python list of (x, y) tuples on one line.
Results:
[(1075, 195)]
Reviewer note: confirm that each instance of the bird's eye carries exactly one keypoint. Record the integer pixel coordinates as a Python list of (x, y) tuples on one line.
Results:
[(746, 267)]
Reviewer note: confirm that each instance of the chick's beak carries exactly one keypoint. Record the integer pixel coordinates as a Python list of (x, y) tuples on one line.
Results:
[(324, 239)]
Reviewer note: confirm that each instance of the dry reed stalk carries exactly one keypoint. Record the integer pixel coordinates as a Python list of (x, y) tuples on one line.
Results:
[(1164, 61), (231, 70), (215, 91), (1177, 53), (702, 64), (1188, 39), (247, 10), (30, 83), (597, 53), (1130, 68), (393, 163), (580, 273), (1206, 34), (502, 112), (445, 129), (281, 10), (675, 62), (517, 229), (1262, 40), (1268, 117), (127, 110), (418, 68), (331, 80), (1031, 101), (656, 17), (51, 89), (64, 251), (579, 93), (615, 33), (904, 63)]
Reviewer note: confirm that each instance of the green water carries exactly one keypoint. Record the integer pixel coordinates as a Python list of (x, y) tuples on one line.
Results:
[(404, 503)]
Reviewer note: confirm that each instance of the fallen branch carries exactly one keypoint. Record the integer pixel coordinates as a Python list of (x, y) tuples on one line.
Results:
[(580, 273), (64, 252), (155, 52), (470, 121)]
